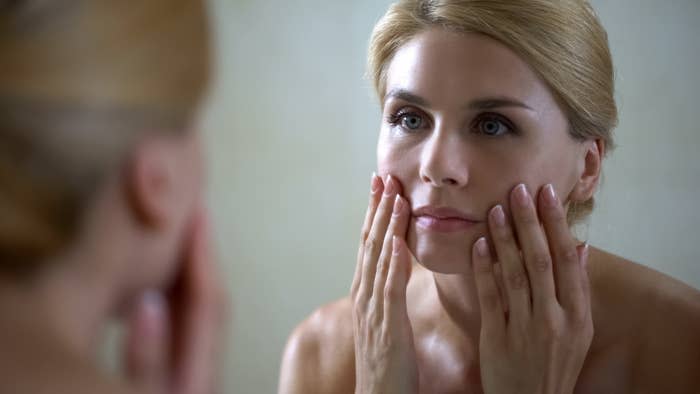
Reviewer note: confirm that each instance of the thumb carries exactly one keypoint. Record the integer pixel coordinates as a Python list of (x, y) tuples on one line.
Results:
[(147, 344)]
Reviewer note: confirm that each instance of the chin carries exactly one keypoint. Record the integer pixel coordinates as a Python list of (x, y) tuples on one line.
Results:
[(444, 253)]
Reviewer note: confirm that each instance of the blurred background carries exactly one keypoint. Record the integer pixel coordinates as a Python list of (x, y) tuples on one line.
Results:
[(291, 128)]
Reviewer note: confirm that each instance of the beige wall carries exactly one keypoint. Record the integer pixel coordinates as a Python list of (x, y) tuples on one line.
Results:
[(291, 132)]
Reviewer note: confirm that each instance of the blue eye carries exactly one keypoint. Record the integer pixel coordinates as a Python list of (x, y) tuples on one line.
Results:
[(408, 121), (493, 126), (411, 121)]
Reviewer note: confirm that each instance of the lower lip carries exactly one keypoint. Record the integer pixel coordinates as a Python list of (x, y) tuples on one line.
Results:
[(448, 225)]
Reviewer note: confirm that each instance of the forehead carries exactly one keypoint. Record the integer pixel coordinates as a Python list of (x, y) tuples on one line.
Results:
[(446, 67)]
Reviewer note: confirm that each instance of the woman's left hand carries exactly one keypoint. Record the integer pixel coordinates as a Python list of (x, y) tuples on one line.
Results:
[(540, 344)]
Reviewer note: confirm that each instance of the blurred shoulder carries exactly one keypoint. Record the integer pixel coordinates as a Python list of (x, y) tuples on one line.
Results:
[(319, 356)]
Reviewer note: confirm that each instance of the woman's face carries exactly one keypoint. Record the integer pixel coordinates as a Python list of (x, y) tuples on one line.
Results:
[(465, 120)]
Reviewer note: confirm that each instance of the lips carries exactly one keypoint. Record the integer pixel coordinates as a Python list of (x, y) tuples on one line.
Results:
[(443, 219)]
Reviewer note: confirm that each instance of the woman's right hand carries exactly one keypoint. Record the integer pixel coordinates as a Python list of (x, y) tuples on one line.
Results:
[(385, 360), (174, 339)]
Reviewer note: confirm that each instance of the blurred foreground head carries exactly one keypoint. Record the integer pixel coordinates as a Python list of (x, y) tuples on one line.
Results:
[(85, 87)]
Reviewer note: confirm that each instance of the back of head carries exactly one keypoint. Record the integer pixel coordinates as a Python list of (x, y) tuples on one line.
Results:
[(562, 40), (80, 82)]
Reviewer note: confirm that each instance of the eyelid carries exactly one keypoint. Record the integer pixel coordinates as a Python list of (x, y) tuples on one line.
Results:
[(495, 116), (394, 116)]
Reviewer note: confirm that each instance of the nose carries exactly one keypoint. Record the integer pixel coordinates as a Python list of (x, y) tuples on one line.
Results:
[(443, 162)]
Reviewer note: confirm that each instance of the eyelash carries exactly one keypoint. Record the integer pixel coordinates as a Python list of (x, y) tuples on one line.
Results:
[(395, 120), (492, 116)]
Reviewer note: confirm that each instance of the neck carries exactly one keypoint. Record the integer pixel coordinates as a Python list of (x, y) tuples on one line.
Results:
[(72, 298), (63, 303), (457, 295)]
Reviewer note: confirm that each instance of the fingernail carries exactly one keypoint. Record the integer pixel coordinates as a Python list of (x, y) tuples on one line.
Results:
[(482, 248), (584, 255), (154, 303), (398, 204), (390, 188), (550, 197), (499, 217), (521, 195), (376, 183), (395, 245)]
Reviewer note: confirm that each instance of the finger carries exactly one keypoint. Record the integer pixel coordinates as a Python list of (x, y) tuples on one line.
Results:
[(567, 268), (535, 251), (198, 314), (492, 317), (376, 187), (375, 240), (397, 228), (585, 283), (515, 280), (498, 277), (147, 344), (395, 308)]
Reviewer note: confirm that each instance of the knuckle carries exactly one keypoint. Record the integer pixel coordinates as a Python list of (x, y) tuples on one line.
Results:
[(364, 235), (569, 255), (359, 303), (357, 310), (517, 280), (386, 339), (381, 266), (541, 262), (552, 327), (579, 319), (353, 292), (372, 315), (391, 292), (373, 244)]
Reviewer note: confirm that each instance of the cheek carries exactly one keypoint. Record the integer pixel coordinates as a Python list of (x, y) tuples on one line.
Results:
[(394, 159), (557, 166)]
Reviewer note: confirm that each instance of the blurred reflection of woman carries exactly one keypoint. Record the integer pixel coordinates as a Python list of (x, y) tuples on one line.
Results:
[(100, 196)]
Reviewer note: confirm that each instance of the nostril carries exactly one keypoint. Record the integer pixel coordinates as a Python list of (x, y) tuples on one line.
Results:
[(449, 181)]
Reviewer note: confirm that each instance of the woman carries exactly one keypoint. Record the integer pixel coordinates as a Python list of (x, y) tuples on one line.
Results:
[(101, 202), (496, 118)]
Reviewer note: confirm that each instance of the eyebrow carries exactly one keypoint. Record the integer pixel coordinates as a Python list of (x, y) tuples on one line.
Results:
[(478, 104)]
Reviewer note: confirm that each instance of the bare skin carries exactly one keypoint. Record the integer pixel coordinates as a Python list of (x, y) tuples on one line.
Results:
[(147, 261), (465, 121), (646, 338)]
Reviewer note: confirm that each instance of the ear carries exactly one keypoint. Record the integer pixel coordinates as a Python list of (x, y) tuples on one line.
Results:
[(590, 168), (150, 182)]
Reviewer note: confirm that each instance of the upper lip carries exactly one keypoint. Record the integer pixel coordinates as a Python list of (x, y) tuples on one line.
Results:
[(442, 213)]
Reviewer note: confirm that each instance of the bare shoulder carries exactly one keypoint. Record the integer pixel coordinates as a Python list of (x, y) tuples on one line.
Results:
[(655, 297), (660, 317), (319, 356)]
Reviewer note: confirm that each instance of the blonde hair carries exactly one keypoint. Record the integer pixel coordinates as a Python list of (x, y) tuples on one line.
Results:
[(80, 82), (562, 40)]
